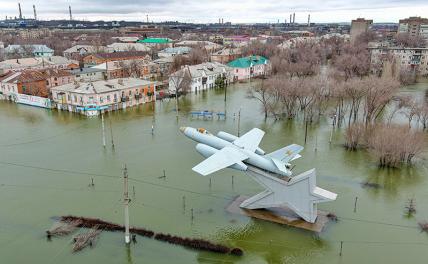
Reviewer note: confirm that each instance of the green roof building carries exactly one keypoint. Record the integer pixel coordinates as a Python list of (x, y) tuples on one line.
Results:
[(154, 41), (247, 62), (249, 67)]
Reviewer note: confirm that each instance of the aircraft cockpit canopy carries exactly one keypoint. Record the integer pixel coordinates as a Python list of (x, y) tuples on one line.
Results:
[(202, 130)]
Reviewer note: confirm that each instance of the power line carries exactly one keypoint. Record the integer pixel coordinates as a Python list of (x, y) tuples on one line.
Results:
[(112, 176), (181, 190), (41, 139)]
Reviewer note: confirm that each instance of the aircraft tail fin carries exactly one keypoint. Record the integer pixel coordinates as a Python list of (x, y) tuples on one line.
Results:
[(287, 154)]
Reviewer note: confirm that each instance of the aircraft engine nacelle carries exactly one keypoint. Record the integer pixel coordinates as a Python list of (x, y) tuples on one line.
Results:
[(208, 151), (229, 137)]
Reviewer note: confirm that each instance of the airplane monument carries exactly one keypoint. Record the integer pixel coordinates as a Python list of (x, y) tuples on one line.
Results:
[(272, 171)]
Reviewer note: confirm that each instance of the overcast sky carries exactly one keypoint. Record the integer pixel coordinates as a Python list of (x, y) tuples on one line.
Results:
[(237, 11)]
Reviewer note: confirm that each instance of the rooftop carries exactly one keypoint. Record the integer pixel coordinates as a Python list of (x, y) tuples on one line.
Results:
[(35, 62), (99, 87), (178, 50), (120, 54), (246, 62), (33, 48), (85, 70), (155, 40)]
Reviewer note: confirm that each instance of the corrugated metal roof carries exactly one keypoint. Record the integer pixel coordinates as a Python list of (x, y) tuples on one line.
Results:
[(246, 62)]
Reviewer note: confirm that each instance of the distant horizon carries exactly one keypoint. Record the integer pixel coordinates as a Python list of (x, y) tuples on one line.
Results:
[(199, 12)]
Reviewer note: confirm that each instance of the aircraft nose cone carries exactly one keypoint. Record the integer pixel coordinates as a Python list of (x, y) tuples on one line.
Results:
[(182, 129)]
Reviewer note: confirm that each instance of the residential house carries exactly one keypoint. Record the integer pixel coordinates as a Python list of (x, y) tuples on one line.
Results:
[(164, 66), (200, 77), (225, 55), (78, 51), (29, 82), (207, 45), (90, 98), (88, 74), (248, 67), (56, 62), (142, 68), (156, 42), (118, 47), (96, 59), (171, 52), (56, 77), (236, 41), (12, 51)]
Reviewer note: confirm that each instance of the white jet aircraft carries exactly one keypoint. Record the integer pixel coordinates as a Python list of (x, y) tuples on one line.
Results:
[(226, 150)]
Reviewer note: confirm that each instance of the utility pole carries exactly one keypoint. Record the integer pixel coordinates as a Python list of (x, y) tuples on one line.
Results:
[(104, 131), (111, 132), (239, 121), (126, 204)]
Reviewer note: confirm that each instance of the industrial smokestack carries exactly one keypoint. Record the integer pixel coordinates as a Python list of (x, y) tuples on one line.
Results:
[(222, 21), (309, 20), (20, 12), (35, 14), (291, 18), (69, 10), (294, 18)]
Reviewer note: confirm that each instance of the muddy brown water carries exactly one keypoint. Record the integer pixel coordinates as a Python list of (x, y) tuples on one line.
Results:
[(47, 160)]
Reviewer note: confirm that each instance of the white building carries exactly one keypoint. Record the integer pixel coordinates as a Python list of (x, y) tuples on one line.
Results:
[(89, 98), (88, 74), (81, 50), (117, 47), (200, 77), (56, 62), (34, 50), (171, 52)]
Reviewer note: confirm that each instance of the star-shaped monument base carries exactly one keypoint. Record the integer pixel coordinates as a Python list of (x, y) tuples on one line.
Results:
[(299, 193)]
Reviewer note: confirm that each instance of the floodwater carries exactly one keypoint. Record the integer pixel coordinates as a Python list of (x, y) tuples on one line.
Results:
[(47, 160)]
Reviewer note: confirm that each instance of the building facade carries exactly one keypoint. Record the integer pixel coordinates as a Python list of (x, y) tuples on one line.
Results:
[(91, 98), (28, 51), (200, 77), (414, 59), (96, 59), (249, 67), (359, 26), (414, 26)]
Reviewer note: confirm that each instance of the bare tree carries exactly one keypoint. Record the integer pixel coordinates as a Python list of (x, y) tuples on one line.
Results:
[(264, 94), (406, 40), (379, 92)]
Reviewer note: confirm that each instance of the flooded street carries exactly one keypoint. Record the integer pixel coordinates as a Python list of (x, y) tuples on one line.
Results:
[(49, 158)]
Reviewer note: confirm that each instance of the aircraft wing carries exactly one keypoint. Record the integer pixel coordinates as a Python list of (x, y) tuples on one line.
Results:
[(250, 140), (222, 159)]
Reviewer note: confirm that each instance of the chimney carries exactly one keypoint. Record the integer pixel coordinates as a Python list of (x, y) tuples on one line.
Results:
[(35, 14), (69, 10), (291, 19), (294, 18), (309, 20), (20, 12)]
